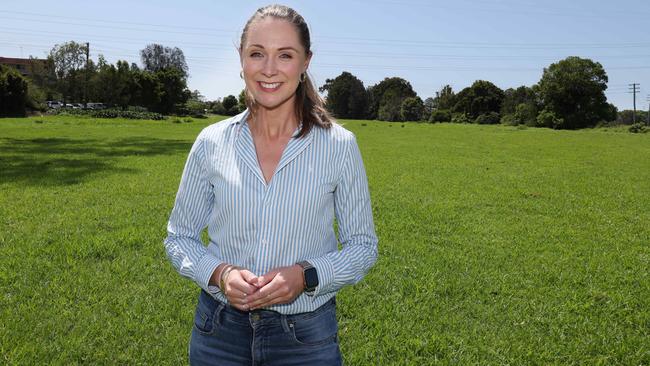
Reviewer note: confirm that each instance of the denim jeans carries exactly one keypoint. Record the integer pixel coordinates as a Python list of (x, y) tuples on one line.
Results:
[(223, 335)]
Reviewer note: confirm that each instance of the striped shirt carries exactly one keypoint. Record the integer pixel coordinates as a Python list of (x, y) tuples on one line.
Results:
[(262, 226)]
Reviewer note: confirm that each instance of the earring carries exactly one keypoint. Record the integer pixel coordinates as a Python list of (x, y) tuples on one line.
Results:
[(241, 74), (303, 77)]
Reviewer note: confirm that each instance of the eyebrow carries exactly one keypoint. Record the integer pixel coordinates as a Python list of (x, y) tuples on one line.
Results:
[(279, 49)]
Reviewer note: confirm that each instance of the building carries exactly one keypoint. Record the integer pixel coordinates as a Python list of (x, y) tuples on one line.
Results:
[(21, 64)]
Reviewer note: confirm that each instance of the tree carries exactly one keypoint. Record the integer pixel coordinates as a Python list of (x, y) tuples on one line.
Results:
[(230, 105), (68, 60), (482, 97), (525, 114), (440, 115), (114, 84), (512, 98), (385, 98), (412, 109), (13, 92), (156, 57), (429, 106), (346, 96), (573, 89), (241, 101), (172, 90), (445, 98)]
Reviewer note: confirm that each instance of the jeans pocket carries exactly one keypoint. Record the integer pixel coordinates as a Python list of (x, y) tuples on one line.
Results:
[(205, 316), (315, 331)]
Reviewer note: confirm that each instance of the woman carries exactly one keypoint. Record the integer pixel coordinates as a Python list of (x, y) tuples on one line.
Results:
[(268, 184)]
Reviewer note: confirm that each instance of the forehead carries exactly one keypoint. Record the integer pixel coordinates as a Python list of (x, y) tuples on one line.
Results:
[(273, 33)]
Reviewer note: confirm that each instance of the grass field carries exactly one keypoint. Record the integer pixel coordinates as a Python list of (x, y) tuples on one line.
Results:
[(498, 245)]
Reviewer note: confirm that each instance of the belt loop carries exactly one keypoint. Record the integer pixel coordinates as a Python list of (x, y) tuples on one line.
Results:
[(284, 322), (217, 313)]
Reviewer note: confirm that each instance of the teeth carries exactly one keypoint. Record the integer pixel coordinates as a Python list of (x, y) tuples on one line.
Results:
[(270, 86)]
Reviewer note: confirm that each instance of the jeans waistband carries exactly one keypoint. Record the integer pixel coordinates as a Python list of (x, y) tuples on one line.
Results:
[(266, 313)]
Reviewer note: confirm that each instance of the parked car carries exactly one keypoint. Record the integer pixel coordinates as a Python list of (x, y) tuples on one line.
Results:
[(53, 104), (96, 105)]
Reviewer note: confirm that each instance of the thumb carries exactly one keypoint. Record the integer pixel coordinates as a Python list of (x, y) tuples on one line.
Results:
[(248, 276), (264, 279)]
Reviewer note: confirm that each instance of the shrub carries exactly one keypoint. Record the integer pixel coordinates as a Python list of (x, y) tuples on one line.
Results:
[(412, 109), (460, 118), (13, 92), (440, 115), (526, 114), (509, 120), (490, 118), (109, 113), (638, 128), (546, 118)]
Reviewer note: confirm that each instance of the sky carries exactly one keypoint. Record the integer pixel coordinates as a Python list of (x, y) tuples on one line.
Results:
[(428, 43)]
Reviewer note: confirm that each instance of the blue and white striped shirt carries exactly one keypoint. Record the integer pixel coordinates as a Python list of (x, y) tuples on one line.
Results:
[(260, 227)]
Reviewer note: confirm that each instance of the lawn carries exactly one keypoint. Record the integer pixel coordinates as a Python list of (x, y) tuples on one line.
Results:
[(498, 245)]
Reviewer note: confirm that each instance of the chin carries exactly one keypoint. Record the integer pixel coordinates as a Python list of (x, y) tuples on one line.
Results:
[(272, 104)]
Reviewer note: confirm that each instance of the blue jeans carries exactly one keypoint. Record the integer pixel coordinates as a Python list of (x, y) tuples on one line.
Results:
[(223, 335)]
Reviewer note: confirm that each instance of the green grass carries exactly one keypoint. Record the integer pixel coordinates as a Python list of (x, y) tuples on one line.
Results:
[(498, 245)]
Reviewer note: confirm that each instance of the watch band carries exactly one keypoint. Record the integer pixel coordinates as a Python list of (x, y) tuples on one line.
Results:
[(310, 275)]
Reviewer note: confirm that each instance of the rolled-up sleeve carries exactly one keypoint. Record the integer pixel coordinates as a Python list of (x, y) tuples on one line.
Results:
[(356, 228), (192, 209)]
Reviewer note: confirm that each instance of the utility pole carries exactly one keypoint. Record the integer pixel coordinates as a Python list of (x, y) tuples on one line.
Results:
[(634, 88), (87, 71), (648, 115)]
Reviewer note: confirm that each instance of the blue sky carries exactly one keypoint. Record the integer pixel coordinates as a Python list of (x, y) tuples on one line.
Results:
[(429, 43)]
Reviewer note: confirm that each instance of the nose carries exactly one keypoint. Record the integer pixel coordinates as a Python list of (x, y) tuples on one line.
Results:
[(270, 67)]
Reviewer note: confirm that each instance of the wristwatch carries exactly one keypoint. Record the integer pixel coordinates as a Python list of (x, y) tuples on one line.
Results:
[(311, 276)]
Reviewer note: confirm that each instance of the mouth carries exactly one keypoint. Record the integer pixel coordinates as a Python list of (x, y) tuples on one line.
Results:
[(269, 87)]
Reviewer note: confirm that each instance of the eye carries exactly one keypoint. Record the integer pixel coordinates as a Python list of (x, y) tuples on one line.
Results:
[(286, 56), (256, 54)]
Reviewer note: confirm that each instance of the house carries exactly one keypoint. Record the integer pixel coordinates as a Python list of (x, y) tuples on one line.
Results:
[(21, 64)]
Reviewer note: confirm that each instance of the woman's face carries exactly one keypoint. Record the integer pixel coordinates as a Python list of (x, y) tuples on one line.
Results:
[(272, 60)]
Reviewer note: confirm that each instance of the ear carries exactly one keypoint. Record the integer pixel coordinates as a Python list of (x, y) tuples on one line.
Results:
[(307, 61)]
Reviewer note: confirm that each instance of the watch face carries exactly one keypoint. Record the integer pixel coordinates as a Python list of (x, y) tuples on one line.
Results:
[(311, 278)]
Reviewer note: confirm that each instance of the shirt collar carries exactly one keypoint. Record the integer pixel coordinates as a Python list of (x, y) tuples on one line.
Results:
[(241, 118)]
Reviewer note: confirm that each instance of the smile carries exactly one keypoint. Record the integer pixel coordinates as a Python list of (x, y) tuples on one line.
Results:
[(269, 86)]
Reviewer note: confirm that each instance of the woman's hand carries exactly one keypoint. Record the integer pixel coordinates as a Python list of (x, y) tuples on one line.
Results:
[(239, 284), (278, 286)]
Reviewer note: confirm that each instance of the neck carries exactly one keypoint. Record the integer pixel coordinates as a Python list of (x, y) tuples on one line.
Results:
[(272, 124)]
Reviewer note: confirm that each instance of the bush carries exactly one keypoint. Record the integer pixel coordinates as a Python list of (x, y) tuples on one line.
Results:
[(440, 115), (460, 118), (412, 109), (547, 118), (509, 120), (490, 118), (526, 114), (638, 128), (13, 92), (109, 113)]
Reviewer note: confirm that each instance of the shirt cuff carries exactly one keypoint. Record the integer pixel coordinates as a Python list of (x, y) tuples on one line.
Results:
[(325, 271), (207, 264)]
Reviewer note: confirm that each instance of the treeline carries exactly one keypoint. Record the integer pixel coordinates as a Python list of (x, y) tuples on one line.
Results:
[(158, 85), (569, 95)]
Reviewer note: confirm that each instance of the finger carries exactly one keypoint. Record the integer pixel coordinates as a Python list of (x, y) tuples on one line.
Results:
[(248, 276), (236, 294), (243, 307), (237, 282), (268, 295), (264, 279)]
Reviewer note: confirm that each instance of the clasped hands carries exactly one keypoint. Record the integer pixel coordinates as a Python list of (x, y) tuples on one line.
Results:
[(246, 291)]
